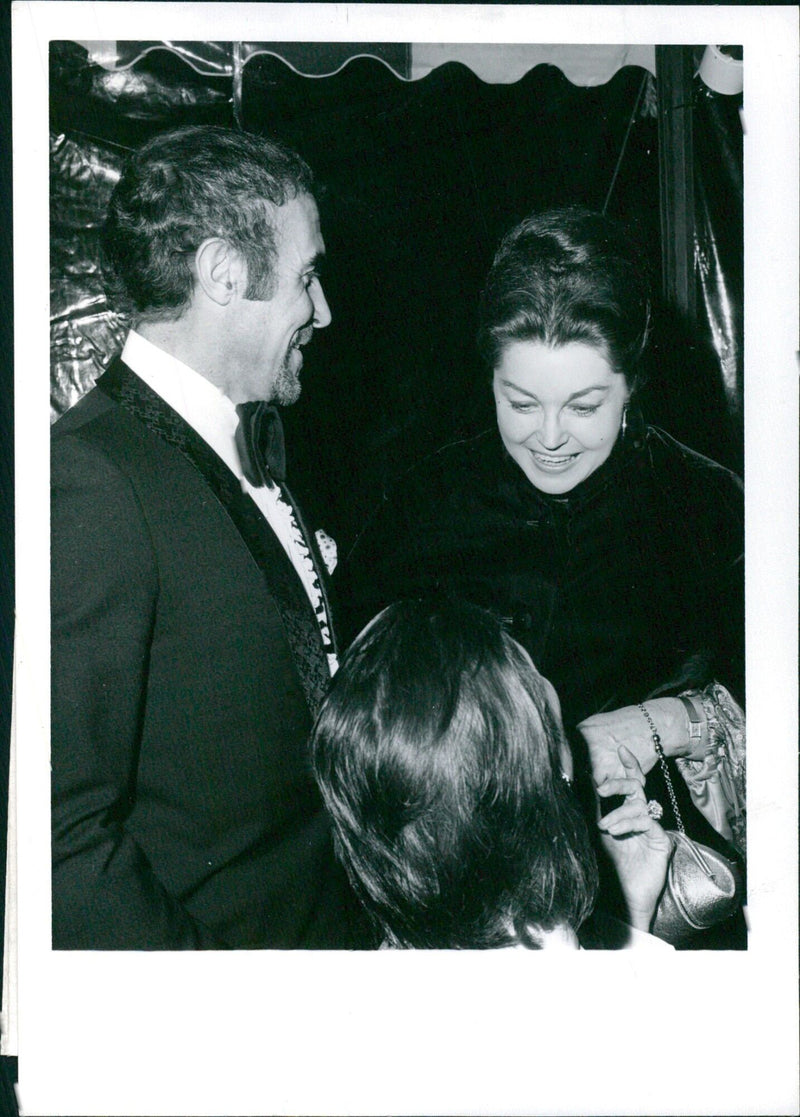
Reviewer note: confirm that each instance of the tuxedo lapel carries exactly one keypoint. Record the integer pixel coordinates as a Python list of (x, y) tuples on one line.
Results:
[(300, 624)]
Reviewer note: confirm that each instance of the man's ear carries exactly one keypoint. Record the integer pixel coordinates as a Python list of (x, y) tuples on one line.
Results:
[(220, 271)]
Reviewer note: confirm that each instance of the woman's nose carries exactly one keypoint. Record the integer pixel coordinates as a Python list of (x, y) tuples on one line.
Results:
[(322, 312), (550, 433)]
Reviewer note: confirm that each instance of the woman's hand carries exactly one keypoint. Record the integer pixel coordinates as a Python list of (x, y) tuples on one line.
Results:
[(638, 846), (604, 733)]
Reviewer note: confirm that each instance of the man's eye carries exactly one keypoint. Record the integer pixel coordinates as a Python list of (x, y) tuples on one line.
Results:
[(310, 277)]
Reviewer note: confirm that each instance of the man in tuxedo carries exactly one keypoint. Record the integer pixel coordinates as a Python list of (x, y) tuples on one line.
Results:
[(191, 635)]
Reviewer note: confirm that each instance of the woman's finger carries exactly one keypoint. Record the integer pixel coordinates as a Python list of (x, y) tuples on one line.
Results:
[(621, 785), (630, 762), (630, 818)]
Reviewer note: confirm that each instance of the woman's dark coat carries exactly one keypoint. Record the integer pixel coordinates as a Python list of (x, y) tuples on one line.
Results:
[(630, 585)]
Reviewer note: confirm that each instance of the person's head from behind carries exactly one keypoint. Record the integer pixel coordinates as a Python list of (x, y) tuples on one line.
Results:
[(440, 755), (226, 221), (564, 320)]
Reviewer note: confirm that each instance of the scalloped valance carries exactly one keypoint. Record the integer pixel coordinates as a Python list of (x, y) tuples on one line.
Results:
[(583, 64)]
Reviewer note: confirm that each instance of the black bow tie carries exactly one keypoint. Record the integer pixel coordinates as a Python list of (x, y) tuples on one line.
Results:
[(259, 440)]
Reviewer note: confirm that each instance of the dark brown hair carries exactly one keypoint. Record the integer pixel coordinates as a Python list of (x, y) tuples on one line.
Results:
[(182, 187), (567, 275), (439, 760)]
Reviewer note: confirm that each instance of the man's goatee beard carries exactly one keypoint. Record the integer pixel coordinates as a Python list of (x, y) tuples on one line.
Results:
[(287, 386)]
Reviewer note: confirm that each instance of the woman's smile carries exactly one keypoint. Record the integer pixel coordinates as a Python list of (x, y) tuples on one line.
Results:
[(553, 463), (559, 410)]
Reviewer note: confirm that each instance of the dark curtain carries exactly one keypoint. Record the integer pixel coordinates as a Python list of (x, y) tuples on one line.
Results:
[(422, 178), (420, 181)]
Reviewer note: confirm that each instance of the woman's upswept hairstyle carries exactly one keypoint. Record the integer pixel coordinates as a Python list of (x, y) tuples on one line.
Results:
[(439, 760), (178, 189), (568, 275)]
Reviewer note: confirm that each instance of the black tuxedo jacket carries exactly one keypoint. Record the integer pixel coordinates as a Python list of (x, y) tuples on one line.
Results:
[(187, 667)]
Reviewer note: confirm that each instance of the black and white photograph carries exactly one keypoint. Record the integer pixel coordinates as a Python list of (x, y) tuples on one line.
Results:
[(406, 493)]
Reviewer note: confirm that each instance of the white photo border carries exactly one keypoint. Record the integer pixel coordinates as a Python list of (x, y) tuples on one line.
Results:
[(431, 1032)]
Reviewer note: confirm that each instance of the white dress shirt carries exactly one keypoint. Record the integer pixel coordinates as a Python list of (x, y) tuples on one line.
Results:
[(213, 416)]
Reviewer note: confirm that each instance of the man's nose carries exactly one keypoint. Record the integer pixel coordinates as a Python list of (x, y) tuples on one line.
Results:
[(322, 312)]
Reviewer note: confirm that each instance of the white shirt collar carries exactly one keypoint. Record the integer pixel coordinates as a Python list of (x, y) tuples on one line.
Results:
[(204, 407), (209, 412)]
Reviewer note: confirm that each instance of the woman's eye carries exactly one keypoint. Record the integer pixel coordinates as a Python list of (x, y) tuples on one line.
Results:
[(517, 405), (585, 410)]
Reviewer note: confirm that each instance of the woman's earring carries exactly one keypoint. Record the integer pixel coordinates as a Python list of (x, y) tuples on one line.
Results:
[(624, 426)]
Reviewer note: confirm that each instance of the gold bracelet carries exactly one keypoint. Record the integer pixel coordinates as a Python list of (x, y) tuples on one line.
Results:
[(695, 721), (700, 738)]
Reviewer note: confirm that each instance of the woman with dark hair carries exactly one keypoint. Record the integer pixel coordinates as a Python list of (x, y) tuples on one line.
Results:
[(614, 553), (444, 767)]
